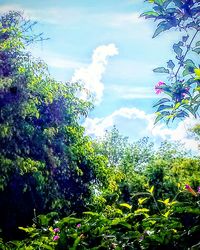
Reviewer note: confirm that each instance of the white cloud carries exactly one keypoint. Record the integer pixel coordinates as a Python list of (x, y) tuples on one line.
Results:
[(91, 76), (136, 124), (97, 126)]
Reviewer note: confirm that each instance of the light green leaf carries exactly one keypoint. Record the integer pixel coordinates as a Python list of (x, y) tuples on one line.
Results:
[(125, 205)]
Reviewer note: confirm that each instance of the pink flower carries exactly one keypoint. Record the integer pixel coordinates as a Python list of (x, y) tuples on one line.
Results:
[(78, 225), (157, 89), (56, 237), (56, 230), (198, 190)]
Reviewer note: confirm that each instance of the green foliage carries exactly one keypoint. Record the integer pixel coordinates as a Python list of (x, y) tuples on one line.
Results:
[(82, 193), (182, 83), (46, 162), (120, 227)]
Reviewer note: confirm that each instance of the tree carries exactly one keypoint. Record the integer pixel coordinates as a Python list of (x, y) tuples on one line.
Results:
[(46, 161), (182, 87)]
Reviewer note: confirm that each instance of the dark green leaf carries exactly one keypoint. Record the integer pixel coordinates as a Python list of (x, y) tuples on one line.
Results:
[(161, 70)]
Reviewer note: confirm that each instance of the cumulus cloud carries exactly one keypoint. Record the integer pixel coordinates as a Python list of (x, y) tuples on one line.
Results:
[(91, 76), (135, 123)]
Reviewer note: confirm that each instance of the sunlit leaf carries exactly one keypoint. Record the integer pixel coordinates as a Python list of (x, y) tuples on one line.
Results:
[(151, 190), (142, 200), (125, 205)]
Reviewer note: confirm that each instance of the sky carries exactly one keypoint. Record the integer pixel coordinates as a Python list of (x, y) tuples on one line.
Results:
[(108, 47)]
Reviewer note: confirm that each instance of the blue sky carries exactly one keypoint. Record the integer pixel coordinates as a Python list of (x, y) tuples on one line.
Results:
[(107, 46)]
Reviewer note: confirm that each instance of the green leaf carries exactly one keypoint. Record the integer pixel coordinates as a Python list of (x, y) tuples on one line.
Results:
[(125, 224), (141, 211), (189, 63), (197, 50), (76, 242), (151, 190), (166, 202), (91, 213), (161, 70), (45, 246), (126, 205), (158, 118), (142, 200), (186, 72), (166, 215), (149, 14)]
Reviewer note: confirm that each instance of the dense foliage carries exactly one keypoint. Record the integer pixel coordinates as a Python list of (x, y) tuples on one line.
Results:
[(182, 86), (59, 189), (46, 161)]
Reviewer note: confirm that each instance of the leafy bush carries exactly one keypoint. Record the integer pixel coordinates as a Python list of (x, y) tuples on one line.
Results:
[(182, 85)]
